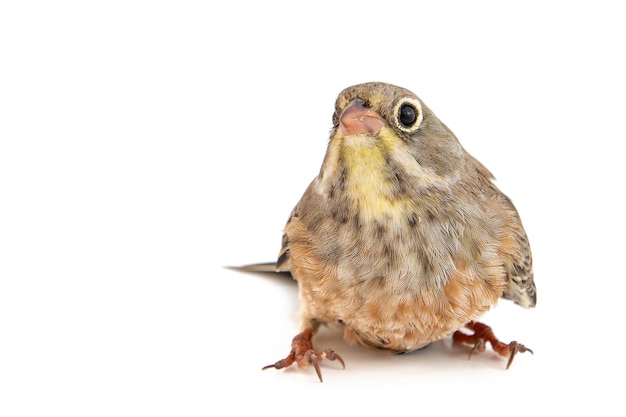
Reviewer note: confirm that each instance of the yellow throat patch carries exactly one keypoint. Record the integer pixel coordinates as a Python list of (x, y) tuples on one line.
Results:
[(366, 159)]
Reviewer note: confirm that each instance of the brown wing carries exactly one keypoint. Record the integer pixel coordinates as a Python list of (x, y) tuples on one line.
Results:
[(282, 264), (516, 249), (521, 285)]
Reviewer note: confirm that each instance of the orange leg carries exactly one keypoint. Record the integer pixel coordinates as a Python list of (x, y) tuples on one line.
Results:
[(482, 335), (303, 354)]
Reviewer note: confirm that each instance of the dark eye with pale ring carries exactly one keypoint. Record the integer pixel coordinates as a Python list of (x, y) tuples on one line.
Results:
[(407, 115)]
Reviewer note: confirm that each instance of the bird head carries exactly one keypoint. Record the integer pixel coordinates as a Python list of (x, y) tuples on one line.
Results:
[(378, 122)]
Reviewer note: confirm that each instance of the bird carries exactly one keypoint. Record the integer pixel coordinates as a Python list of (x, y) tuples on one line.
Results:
[(403, 238)]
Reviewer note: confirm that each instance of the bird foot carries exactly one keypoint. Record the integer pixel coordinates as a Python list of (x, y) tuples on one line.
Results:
[(482, 335), (303, 354)]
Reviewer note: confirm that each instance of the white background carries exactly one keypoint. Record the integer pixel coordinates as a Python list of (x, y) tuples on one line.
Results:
[(146, 145)]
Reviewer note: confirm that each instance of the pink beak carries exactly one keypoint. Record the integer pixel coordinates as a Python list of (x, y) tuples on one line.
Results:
[(357, 119)]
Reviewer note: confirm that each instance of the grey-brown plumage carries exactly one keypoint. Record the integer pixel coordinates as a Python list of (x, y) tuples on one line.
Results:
[(402, 238)]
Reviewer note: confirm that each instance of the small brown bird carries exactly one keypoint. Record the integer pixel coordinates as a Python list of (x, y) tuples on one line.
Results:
[(402, 239)]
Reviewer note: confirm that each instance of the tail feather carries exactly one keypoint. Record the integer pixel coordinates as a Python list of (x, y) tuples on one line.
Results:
[(261, 267)]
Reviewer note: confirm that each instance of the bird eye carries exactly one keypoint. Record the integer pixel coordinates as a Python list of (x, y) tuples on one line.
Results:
[(407, 115)]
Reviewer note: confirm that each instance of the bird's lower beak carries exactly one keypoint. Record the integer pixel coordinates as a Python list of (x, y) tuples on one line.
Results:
[(358, 119)]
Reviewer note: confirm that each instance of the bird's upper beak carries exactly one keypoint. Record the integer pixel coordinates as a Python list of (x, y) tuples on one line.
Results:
[(358, 119)]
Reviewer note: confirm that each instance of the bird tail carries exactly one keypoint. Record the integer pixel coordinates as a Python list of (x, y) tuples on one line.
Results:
[(261, 267)]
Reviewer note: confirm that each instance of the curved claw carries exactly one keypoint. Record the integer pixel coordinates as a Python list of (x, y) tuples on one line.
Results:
[(515, 348), (316, 358), (275, 365), (283, 363), (313, 360), (479, 346), (332, 355)]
